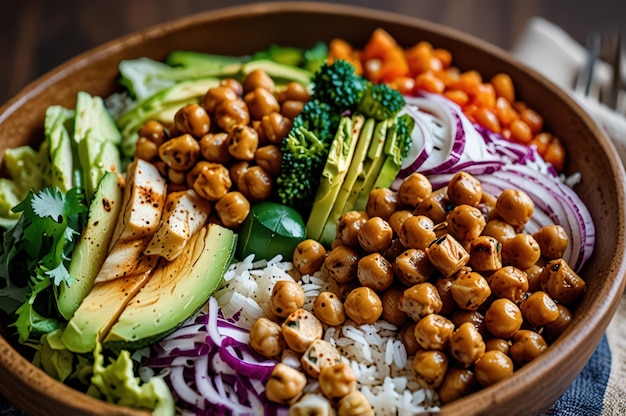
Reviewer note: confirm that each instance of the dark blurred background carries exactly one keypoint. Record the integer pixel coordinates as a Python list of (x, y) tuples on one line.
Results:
[(37, 35)]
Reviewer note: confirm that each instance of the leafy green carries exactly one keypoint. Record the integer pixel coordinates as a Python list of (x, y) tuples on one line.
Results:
[(380, 101), (35, 254), (338, 85)]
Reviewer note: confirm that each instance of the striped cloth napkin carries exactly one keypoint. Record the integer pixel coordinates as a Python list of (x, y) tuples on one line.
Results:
[(601, 387)]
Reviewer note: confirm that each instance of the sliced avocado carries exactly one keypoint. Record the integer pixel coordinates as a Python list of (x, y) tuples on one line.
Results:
[(58, 128), (335, 170), (395, 155), (96, 137), (372, 176), (280, 73), (101, 308), (176, 290), (92, 247), (356, 169), (191, 59), (371, 166)]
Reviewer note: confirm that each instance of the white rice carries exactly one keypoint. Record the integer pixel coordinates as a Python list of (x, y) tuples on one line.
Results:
[(374, 352)]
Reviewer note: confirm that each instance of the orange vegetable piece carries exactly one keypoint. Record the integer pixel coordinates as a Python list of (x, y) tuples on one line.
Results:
[(467, 80), (483, 95), (503, 85), (394, 65), (487, 118), (444, 56), (555, 154), (533, 119), (541, 141), (521, 132), (457, 96), (505, 112), (379, 45), (427, 81), (405, 85)]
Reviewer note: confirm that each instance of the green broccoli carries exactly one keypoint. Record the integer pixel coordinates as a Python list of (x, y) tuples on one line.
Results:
[(380, 102), (338, 85), (320, 119), (303, 158)]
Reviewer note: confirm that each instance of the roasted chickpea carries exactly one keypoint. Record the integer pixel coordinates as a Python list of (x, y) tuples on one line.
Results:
[(214, 148), (243, 142), (414, 189), (466, 345), (435, 206), (146, 149), (492, 367), (275, 127), (233, 209), (229, 114), (181, 152), (300, 329), (309, 256), (341, 264), (261, 102), (515, 207), (499, 344), (412, 267), (433, 332), (266, 338), (153, 131), (499, 229), (420, 300), (375, 271), (269, 158), (382, 202), (375, 235), (407, 335), (521, 251), (212, 182), (217, 95), (285, 384), (233, 84), (391, 306), (443, 285), (509, 282), (552, 240), (417, 232), (470, 290), (561, 282), (237, 169), (457, 383), (291, 108), (287, 297), (429, 368), (503, 318), (329, 309), (539, 309), (349, 227), (527, 345), (354, 404), (255, 183), (363, 306), (447, 255), (554, 329), (294, 91), (320, 354), (192, 119), (336, 381), (476, 318), (258, 79), (464, 189), (311, 404), (533, 274), (485, 254), (465, 222), (397, 219)]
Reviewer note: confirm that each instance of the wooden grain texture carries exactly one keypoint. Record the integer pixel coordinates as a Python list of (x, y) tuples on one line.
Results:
[(544, 379), (37, 35)]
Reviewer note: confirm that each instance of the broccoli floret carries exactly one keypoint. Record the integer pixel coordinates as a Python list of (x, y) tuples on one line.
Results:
[(338, 85), (380, 101), (405, 124), (315, 56), (320, 119), (303, 158)]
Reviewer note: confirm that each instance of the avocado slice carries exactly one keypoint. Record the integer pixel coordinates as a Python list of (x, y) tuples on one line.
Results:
[(58, 127), (356, 169), (96, 137), (176, 290), (91, 249), (335, 170), (100, 309)]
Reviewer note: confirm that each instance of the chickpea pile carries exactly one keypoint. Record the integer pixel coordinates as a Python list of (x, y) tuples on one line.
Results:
[(226, 148), (474, 296)]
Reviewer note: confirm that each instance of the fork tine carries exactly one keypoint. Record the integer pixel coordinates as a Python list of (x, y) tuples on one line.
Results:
[(585, 75), (615, 59)]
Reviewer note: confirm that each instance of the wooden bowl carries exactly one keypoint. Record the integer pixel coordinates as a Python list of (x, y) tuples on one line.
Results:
[(242, 30)]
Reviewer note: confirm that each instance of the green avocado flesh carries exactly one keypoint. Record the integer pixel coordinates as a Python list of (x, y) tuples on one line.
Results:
[(175, 290)]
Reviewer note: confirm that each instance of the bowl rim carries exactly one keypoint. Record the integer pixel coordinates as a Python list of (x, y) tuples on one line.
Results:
[(63, 394)]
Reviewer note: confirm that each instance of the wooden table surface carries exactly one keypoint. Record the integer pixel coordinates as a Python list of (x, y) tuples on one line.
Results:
[(37, 35)]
